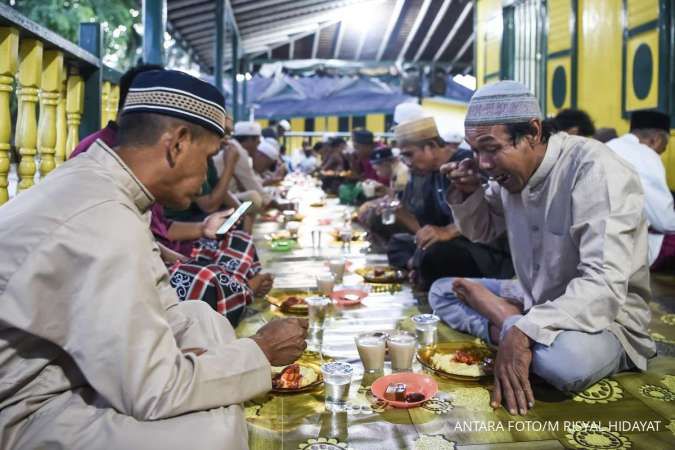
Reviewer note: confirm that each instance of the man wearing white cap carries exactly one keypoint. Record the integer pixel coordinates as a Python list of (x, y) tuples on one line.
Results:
[(407, 111), (264, 161), (246, 184), (573, 213)]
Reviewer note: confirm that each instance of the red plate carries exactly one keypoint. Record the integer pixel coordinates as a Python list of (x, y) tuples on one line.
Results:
[(415, 382), (348, 297)]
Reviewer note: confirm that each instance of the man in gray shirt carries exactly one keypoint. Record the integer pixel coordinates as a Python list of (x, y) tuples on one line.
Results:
[(573, 214)]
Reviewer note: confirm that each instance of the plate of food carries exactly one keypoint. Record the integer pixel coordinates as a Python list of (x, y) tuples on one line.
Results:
[(466, 361), (290, 302), (348, 297), (279, 235), (318, 204), (356, 235), (405, 389), (282, 245), (381, 274), (298, 377)]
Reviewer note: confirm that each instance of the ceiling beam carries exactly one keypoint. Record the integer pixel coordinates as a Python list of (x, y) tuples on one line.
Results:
[(338, 41), (192, 10), (315, 44), (286, 19), (286, 8), (432, 29), (362, 41), (462, 50), (192, 20), (396, 13), (460, 21), (285, 35), (178, 4), (413, 31), (291, 48), (258, 4)]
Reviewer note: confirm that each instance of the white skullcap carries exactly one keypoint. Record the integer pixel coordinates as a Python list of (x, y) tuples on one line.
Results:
[(408, 111), (452, 137), (268, 149), (502, 102), (247, 129), (464, 145), (285, 125)]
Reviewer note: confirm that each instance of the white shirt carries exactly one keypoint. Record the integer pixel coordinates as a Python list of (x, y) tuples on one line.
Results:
[(658, 200)]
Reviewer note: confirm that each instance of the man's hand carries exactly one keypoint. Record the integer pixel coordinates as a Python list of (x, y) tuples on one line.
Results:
[(512, 369), (213, 221), (430, 234), (463, 175), (231, 155), (282, 340)]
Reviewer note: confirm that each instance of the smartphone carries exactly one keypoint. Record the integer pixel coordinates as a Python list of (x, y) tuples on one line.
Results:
[(229, 223)]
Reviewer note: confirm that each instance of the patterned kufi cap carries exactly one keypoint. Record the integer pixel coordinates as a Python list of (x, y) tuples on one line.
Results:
[(502, 102), (177, 94)]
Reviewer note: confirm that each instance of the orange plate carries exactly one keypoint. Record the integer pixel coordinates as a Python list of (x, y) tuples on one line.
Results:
[(339, 297), (415, 382)]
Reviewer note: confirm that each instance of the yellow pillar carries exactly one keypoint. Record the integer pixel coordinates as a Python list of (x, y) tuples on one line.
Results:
[(74, 109), (51, 86), (61, 126), (9, 55), (30, 73), (113, 101), (105, 107)]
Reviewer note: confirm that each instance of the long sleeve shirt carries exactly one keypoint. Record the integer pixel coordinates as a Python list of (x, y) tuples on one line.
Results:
[(578, 239), (87, 304), (245, 178), (658, 200)]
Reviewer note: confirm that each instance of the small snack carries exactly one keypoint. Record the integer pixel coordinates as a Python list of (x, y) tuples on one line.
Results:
[(293, 302), (414, 397), (395, 392), (378, 272)]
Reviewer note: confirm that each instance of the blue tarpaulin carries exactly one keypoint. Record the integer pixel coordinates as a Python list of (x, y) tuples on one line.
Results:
[(284, 96)]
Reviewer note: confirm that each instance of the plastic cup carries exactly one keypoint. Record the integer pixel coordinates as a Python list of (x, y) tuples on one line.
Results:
[(337, 377), (402, 350), (426, 328), (371, 348)]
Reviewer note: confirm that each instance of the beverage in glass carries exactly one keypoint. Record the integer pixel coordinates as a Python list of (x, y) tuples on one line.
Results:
[(389, 211), (426, 326), (401, 350), (371, 351), (337, 268), (325, 284), (336, 379), (317, 307)]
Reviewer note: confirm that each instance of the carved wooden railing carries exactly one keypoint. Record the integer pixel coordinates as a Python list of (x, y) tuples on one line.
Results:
[(62, 91)]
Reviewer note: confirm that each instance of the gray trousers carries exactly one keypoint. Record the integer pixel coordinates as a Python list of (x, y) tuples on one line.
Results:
[(573, 362)]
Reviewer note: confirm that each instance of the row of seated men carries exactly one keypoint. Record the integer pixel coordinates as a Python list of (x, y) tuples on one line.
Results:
[(97, 349)]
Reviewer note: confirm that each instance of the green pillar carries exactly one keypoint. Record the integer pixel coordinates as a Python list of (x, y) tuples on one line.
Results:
[(219, 47), (235, 71), (91, 41), (154, 25)]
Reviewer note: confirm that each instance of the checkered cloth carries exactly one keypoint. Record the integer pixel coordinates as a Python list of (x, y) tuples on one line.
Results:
[(218, 273)]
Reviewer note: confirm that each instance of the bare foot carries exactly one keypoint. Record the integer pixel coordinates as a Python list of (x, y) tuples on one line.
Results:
[(492, 307), (261, 284)]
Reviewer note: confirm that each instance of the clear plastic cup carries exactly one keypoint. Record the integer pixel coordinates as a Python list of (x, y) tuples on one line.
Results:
[(325, 283), (337, 268), (401, 350), (426, 327), (371, 347), (336, 379), (317, 306)]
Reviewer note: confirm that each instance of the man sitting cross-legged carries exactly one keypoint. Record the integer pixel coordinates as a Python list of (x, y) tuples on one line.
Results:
[(573, 212)]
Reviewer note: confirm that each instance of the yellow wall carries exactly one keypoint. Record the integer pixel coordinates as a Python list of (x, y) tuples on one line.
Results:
[(488, 37), (375, 123), (449, 116)]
